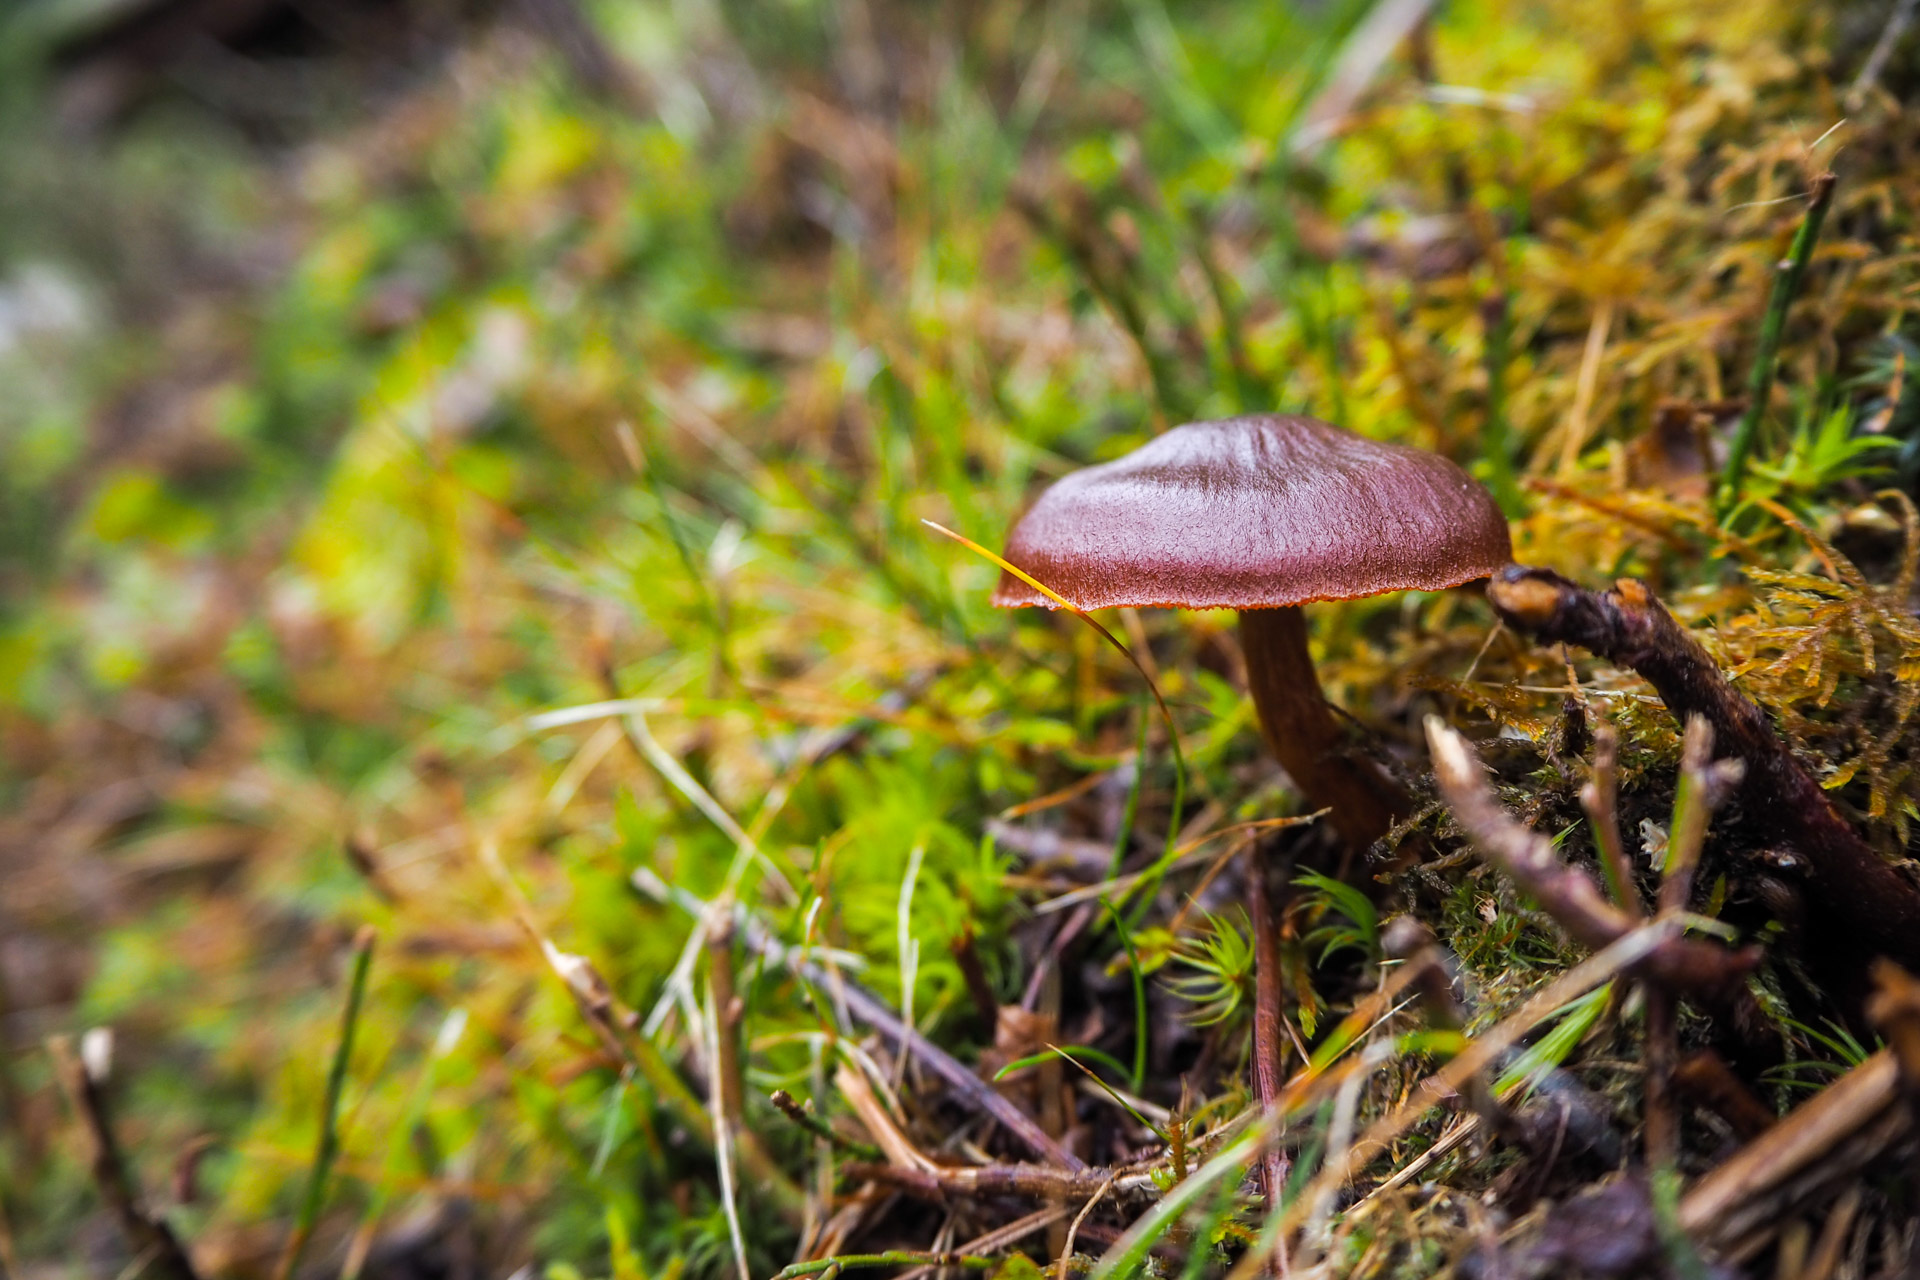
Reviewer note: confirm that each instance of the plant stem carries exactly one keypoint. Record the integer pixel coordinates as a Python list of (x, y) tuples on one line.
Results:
[(819, 1128), (1693, 801), (1861, 905), (328, 1148), (726, 1018), (891, 1258), (1569, 895), (1496, 319), (1123, 842), (1662, 1117), (1786, 284), (1136, 1078), (1600, 799), (1268, 1045)]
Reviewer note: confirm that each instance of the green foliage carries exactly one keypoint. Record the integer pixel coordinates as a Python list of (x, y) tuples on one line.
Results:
[(1825, 449), (1348, 919), (1844, 1049), (1220, 955), (1572, 1022)]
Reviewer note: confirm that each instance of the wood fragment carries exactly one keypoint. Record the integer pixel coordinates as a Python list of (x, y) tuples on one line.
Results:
[(1894, 1010), (1704, 1079), (936, 1182)]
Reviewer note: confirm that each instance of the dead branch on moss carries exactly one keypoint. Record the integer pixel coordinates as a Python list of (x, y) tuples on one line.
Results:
[(1869, 906), (157, 1251), (910, 1170), (1681, 964), (802, 1115)]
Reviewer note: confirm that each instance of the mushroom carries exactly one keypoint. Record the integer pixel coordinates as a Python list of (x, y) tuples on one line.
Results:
[(1263, 514)]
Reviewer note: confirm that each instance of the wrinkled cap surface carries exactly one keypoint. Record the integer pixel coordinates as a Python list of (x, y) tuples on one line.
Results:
[(1260, 511)]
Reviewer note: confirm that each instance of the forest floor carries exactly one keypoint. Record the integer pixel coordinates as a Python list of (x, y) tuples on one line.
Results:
[(498, 771)]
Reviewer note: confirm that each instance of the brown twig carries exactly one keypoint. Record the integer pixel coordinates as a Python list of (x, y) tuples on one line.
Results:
[(1864, 905), (149, 1238), (986, 1005), (1571, 898), (998, 1238), (1661, 1115), (936, 1183), (1703, 784), (803, 1116), (1894, 1010), (1269, 1047), (1086, 1210)]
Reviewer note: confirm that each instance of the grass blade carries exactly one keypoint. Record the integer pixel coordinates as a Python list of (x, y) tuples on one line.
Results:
[(328, 1148), (1786, 284)]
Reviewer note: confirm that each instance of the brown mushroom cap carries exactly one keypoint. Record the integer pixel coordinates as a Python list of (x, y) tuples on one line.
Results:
[(1256, 512)]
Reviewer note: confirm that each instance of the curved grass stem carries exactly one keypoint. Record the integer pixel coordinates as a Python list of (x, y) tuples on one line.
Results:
[(1786, 285), (328, 1148)]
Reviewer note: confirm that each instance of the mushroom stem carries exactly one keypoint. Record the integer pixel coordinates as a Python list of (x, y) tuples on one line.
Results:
[(1305, 736)]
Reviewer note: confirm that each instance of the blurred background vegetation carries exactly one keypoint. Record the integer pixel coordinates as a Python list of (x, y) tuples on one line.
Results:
[(384, 379)]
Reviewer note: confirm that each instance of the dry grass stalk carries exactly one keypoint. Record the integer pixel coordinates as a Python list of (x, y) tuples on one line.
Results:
[(1817, 1149), (618, 1030)]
